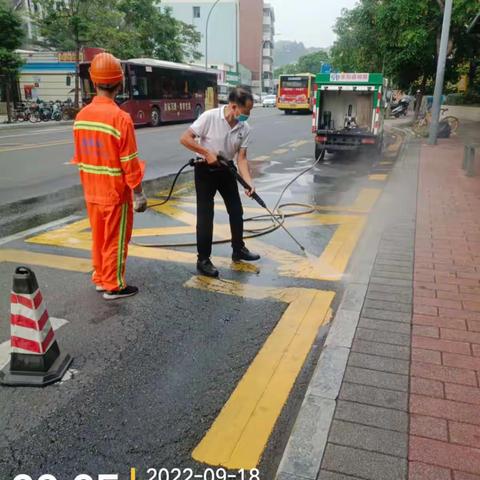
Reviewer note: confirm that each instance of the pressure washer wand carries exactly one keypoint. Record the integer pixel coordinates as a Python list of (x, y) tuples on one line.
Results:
[(231, 166)]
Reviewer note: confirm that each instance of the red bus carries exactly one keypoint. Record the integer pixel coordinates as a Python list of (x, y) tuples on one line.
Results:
[(156, 91), (295, 92)]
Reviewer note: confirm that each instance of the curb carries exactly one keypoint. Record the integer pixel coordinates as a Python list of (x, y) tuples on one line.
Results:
[(26, 125), (303, 454), (36, 211)]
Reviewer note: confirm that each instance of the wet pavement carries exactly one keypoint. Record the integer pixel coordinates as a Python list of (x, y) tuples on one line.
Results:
[(193, 372)]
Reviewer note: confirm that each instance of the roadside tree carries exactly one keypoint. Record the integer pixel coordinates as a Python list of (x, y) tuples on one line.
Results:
[(11, 36)]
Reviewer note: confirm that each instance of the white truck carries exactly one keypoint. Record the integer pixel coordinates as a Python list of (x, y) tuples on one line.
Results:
[(348, 112)]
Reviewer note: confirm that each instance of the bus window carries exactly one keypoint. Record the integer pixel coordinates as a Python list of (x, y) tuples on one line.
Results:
[(139, 82)]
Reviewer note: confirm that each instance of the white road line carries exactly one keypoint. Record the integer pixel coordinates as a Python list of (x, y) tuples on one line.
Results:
[(39, 132), (40, 228), (5, 346)]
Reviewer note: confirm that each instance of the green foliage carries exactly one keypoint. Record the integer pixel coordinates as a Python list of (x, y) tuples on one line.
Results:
[(463, 99), (310, 63), (11, 36), (11, 32), (400, 38), (126, 28)]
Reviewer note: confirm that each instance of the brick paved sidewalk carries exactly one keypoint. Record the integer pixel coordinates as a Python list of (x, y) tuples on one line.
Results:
[(445, 366), (396, 392)]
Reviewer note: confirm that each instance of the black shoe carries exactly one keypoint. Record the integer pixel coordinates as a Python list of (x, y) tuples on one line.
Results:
[(126, 292), (206, 267), (244, 254)]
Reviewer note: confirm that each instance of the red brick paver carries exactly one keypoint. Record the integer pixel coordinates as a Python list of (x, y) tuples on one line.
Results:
[(445, 368)]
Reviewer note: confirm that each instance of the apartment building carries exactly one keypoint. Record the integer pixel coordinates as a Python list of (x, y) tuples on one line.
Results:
[(267, 48), (221, 42)]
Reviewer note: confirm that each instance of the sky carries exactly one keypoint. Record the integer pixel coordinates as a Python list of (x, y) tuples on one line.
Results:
[(307, 21)]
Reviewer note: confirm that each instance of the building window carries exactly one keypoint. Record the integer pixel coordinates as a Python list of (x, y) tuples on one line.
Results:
[(69, 81), (196, 12)]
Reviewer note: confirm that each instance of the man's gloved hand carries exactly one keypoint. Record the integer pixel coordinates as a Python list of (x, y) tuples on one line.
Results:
[(139, 202)]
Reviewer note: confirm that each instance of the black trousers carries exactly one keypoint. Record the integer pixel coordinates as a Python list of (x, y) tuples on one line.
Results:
[(207, 183)]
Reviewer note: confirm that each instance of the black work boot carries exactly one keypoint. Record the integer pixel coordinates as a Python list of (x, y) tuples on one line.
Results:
[(206, 267), (244, 254)]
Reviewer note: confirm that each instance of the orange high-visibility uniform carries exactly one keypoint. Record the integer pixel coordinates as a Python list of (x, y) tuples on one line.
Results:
[(107, 158)]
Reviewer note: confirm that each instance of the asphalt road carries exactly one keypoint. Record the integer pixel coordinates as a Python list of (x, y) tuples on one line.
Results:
[(35, 160), (190, 373)]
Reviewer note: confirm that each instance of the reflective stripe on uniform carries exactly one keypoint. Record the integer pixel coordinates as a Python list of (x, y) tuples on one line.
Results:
[(121, 245), (129, 157), (97, 127), (100, 170)]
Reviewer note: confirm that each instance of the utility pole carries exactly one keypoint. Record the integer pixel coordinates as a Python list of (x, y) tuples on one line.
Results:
[(206, 33), (442, 60)]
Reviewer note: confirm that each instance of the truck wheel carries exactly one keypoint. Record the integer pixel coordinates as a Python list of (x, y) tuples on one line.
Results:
[(319, 151)]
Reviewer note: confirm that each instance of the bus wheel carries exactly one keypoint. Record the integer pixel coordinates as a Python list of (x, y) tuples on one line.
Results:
[(155, 119), (288, 112), (198, 111)]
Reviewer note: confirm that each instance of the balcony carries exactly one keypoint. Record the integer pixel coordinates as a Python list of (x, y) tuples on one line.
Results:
[(267, 83), (268, 52)]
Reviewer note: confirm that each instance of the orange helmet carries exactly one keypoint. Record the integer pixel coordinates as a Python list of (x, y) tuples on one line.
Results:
[(106, 69)]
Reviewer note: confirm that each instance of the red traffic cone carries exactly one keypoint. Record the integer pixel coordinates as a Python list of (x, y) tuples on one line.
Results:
[(35, 358)]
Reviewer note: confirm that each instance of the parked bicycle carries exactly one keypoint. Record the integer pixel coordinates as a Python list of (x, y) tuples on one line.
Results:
[(42, 111), (422, 126)]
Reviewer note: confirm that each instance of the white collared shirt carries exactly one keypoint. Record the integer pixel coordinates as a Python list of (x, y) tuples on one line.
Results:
[(216, 134)]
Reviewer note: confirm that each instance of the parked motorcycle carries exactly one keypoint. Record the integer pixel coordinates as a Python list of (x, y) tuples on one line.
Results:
[(56, 111), (400, 108)]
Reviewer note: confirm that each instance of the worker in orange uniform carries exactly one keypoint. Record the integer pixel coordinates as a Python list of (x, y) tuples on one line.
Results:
[(107, 158)]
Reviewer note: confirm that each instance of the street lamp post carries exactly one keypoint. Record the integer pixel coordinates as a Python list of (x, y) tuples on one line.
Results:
[(206, 33), (442, 60)]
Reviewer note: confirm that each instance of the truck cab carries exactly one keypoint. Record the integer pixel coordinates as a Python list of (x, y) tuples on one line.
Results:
[(348, 112)]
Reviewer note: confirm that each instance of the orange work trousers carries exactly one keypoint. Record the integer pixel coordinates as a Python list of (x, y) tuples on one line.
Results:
[(111, 231)]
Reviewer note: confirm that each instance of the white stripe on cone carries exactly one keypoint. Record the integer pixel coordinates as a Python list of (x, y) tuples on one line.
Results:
[(30, 334), (35, 315), (5, 346)]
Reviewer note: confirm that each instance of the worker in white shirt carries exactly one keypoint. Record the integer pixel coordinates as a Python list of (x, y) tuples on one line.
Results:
[(221, 130)]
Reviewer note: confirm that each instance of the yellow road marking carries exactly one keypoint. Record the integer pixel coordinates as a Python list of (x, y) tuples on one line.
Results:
[(280, 151), (378, 177), (363, 204), (60, 262), (299, 143), (76, 235), (186, 186), (330, 265), (36, 145), (261, 158), (241, 431), (367, 198), (333, 261), (163, 231)]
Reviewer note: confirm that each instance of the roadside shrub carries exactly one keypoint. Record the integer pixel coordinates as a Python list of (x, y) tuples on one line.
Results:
[(463, 99)]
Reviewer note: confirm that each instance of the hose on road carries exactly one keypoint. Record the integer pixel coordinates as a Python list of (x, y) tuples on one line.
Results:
[(277, 216)]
